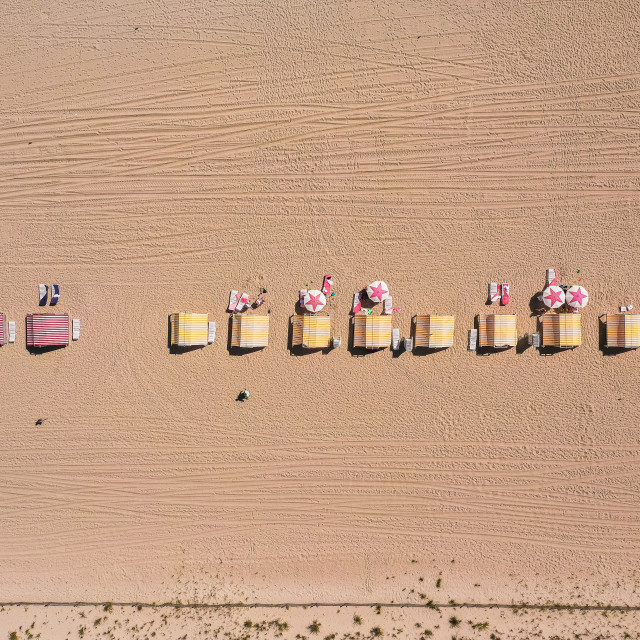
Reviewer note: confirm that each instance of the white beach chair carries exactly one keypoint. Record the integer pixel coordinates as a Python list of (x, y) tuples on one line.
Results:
[(233, 300), (212, 332), (494, 296), (43, 292), (75, 329), (395, 339), (55, 294), (552, 277), (534, 339), (629, 307), (473, 339), (623, 309), (12, 331), (303, 293), (244, 302), (408, 344), (336, 342), (388, 304)]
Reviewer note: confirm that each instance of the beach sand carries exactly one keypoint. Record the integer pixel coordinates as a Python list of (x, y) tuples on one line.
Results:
[(157, 155)]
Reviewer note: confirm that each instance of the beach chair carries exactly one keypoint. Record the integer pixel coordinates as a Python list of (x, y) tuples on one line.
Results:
[(303, 293), (534, 339), (233, 300), (388, 306), (623, 309), (336, 342), (75, 329), (408, 344), (395, 339), (212, 332), (326, 286), (55, 294), (504, 298), (43, 292), (12, 331), (243, 303), (494, 296), (473, 339), (552, 277), (357, 302)]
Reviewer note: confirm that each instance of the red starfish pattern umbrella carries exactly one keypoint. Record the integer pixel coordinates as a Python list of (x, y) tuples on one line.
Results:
[(378, 291), (314, 300), (577, 297), (553, 297)]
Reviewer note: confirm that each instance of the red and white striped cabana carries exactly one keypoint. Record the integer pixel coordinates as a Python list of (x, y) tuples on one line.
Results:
[(47, 330)]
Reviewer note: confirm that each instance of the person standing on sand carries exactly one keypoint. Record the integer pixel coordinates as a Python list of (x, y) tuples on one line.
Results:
[(259, 299)]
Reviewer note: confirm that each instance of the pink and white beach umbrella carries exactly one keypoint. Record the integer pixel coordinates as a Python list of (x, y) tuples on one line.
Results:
[(314, 300), (377, 291), (553, 297), (577, 297)]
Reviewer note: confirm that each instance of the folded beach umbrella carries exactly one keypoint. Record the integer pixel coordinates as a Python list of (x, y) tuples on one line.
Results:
[(314, 300), (577, 297), (378, 291), (553, 297)]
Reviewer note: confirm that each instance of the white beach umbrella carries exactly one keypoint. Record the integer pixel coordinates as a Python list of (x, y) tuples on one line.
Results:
[(553, 297), (577, 297), (314, 300), (377, 291)]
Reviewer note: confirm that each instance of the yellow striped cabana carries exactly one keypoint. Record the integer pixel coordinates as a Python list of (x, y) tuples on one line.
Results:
[(312, 332), (561, 330), (250, 331), (372, 332), (434, 332), (623, 331), (497, 331), (189, 329)]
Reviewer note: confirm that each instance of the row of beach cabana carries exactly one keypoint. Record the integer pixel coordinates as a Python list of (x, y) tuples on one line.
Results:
[(495, 331), (560, 324), (432, 332)]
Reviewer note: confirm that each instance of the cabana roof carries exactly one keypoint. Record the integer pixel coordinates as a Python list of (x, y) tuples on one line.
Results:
[(434, 331), (250, 331), (189, 329), (623, 331), (47, 330), (497, 331), (372, 332), (561, 330), (312, 332)]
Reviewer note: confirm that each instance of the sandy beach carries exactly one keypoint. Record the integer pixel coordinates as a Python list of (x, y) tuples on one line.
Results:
[(157, 155)]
